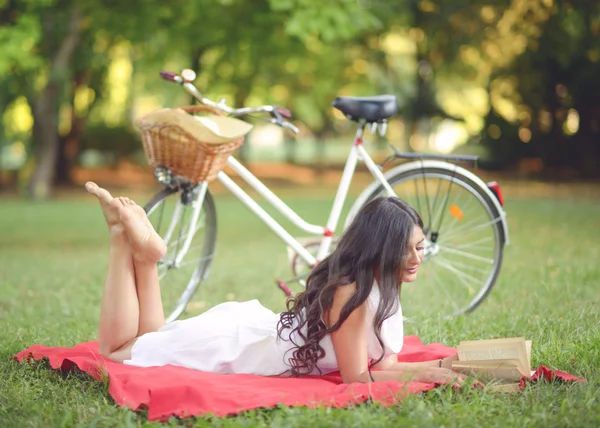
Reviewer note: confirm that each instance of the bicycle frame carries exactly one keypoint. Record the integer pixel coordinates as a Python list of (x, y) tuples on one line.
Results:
[(357, 152), (193, 197)]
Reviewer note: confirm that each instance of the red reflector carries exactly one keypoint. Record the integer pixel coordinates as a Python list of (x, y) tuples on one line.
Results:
[(284, 288), (495, 188)]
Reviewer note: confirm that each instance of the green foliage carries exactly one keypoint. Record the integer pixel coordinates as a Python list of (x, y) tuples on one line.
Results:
[(303, 53), (121, 141), (557, 93), (332, 21), (17, 40)]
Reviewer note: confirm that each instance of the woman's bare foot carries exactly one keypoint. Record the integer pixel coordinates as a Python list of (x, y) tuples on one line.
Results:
[(110, 211), (146, 244)]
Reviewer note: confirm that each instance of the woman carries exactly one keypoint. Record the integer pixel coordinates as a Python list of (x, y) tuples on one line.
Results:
[(348, 318)]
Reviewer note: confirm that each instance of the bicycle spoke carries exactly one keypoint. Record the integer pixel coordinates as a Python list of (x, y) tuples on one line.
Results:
[(460, 274), (467, 255), (181, 235), (440, 213), (435, 198), (467, 228), (465, 233), (445, 203), (474, 244), (445, 291), (184, 235), (167, 265), (475, 248), (417, 195), (196, 261), (429, 225), (463, 209), (464, 265), (162, 270)]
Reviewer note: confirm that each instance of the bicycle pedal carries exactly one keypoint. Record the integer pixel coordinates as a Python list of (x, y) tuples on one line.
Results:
[(283, 286)]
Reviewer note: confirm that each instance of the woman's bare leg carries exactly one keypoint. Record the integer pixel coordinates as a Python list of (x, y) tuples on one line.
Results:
[(131, 303), (119, 313), (147, 248)]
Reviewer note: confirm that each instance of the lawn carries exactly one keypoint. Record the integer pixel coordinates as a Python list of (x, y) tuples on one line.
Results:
[(53, 259)]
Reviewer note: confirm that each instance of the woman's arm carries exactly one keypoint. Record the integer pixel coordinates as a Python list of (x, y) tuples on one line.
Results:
[(391, 363), (350, 345)]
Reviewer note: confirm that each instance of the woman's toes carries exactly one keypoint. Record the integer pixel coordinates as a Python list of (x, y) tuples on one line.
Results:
[(117, 203), (91, 187), (126, 214)]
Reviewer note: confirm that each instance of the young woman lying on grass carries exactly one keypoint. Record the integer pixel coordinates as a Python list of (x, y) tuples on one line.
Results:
[(348, 316)]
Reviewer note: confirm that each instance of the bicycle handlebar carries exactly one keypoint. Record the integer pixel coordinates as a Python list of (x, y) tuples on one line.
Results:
[(169, 75), (277, 113)]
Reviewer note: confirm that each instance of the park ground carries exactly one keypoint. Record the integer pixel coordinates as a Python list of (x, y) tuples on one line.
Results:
[(53, 258)]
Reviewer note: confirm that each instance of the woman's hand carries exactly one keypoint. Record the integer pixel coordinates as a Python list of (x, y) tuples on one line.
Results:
[(447, 362), (439, 375)]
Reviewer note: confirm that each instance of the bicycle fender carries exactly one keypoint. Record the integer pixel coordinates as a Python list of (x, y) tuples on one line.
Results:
[(417, 165)]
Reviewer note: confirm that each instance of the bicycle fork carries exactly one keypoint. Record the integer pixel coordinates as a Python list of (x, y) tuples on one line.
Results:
[(197, 195)]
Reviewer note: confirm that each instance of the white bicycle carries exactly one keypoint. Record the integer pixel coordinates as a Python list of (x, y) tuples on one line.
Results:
[(465, 224)]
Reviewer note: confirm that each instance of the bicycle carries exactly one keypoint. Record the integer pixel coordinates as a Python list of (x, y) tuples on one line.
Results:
[(465, 223)]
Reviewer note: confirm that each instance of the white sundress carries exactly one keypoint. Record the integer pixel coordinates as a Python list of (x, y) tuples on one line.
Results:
[(241, 337)]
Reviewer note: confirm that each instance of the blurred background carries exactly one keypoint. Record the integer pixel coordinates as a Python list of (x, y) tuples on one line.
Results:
[(514, 81)]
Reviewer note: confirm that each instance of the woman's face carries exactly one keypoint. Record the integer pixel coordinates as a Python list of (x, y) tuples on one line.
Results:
[(414, 258)]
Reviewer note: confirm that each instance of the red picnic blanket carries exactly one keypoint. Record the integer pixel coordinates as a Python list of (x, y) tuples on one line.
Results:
[(177, 391)]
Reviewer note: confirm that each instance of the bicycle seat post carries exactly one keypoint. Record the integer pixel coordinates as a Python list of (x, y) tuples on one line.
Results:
[(360, 131)]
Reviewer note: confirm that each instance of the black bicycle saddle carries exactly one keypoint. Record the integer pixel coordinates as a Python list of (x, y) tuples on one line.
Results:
[(371, 109)]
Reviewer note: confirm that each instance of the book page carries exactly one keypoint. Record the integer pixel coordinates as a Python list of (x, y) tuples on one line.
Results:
[(488, 342), (506, 374), (528, 348), (489, 353), (496, 349), (487, 363)]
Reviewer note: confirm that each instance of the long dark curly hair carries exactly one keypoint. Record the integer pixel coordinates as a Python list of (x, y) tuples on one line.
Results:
[(373, 247)]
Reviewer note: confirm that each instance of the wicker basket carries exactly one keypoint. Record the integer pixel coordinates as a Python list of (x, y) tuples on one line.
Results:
[(181, 152)]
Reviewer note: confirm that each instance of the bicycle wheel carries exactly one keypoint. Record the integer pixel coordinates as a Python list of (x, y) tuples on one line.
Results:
[(171, 212), (464, 238)]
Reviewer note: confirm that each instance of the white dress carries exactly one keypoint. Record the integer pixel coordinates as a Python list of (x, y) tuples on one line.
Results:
[(236, 337)]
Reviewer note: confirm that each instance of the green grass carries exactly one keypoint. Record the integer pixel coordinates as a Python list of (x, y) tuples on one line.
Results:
[(53, 259)]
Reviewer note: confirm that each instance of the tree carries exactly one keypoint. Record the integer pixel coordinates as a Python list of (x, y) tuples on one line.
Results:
[(554, 88), (62, 59)]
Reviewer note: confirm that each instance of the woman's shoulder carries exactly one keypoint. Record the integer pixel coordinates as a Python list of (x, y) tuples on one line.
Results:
[(341, 296), (345, 290)]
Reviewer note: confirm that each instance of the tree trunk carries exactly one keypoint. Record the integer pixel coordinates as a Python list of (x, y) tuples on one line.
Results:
[(239, 101), (321, 138), (69, 149), (45, 136), (588, 154), (290, 144), (46, 107), (69, 144), (196, 61)]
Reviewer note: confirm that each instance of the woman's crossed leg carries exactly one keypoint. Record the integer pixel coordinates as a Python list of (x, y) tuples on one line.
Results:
[(131, 302)]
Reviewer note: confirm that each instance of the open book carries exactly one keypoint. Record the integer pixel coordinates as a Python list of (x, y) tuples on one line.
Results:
[(501, 361)]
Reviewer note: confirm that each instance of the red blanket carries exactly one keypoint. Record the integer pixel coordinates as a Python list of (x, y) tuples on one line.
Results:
[(176, 391)]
